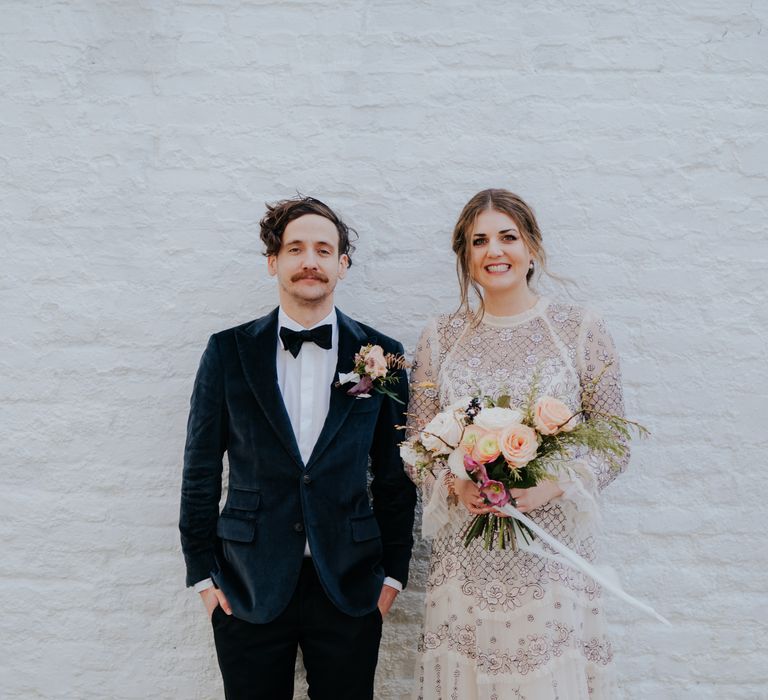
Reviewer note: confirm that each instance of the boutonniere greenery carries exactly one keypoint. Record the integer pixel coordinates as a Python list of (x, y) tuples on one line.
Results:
[(373, 371)]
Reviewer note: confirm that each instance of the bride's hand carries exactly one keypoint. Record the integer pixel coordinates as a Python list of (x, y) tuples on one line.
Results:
[(469, 495), (536, 496)]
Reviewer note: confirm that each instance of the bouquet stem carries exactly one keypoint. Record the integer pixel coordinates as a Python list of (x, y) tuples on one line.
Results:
[(494, 529)]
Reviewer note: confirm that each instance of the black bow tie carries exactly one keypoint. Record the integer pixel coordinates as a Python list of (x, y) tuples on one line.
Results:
[(292, 340)]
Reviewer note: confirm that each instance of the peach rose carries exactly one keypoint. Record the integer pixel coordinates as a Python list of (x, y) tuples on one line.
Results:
[(472, 434), (518, 443), (375, 362), (486, 448), (549, 414)]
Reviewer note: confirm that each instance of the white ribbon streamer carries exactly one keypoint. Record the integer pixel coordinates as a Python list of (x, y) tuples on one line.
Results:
[(575, 560)]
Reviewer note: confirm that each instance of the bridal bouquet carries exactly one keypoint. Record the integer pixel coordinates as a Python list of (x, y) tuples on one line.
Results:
[(500, 447)]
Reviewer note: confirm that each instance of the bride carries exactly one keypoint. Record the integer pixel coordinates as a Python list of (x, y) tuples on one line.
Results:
[(505, 624)]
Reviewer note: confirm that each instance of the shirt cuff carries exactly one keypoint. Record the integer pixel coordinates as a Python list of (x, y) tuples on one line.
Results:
[(393, 583), (208, 583)]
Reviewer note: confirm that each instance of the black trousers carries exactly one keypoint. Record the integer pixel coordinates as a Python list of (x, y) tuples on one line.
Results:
[(257, 662)]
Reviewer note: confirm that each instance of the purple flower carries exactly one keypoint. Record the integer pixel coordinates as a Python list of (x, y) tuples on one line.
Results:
[(475, 468), (364, 386), (495, 493)]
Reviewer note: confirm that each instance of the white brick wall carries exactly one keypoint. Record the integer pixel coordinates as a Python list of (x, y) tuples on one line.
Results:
[(138, 142)]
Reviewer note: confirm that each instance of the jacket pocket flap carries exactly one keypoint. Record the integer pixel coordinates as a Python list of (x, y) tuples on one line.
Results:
[(236, 529), (365, 528), (366, 405), (243, 499)]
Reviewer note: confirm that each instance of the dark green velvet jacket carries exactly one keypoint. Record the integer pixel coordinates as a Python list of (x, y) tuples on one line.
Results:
[(254, 548)]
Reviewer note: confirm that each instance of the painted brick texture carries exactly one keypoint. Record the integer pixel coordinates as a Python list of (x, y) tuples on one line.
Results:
[(138, 142)]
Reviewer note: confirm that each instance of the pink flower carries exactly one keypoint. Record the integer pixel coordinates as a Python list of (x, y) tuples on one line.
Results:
[(495, 493), (549, 414), (477, 469), (469, 464), (519, 444), (375, 362)]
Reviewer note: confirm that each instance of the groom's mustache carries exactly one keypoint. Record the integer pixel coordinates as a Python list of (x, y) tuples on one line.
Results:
[(309, 276)]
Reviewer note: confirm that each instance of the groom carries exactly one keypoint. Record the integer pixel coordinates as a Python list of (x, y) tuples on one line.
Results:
[(302, 554)]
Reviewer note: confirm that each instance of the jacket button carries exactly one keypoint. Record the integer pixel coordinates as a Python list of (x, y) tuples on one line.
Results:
[(307, 479), (299, 527)]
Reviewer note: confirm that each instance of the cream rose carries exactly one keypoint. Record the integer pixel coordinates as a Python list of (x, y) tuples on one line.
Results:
[(442, 433), (409, 455), (518, 444), (549, 414), (461, 405), (486, 448), (375, 362), (496, 419), (470, 437)]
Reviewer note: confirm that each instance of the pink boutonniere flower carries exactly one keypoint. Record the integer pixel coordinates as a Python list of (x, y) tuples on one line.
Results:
[(371, 372)]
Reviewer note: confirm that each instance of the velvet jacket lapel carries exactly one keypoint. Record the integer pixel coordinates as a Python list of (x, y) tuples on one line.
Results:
[(351, 338), (257, 346)]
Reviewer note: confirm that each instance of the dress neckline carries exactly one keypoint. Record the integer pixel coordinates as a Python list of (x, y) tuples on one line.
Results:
[(508, 321)]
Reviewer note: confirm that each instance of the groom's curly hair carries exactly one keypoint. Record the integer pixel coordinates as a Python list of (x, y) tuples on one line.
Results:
[(281, 213)]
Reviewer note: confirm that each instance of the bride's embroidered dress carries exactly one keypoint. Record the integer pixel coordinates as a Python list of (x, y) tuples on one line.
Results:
[(501, 624)]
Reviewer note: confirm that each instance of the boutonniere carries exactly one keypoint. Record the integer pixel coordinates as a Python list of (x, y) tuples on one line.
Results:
[(371, 372)]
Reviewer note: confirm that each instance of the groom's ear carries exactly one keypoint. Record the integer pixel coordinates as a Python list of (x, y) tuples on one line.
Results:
[(343, 265), (272, 264)]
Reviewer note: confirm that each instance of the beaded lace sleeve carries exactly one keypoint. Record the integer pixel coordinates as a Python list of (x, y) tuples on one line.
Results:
[(596, 351), (424, 401), (424, 405)]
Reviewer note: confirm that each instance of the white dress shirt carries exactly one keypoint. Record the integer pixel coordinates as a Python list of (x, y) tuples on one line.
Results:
[(305, 383)]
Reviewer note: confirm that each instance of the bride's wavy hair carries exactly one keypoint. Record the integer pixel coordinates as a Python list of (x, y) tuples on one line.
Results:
[(516, 208)]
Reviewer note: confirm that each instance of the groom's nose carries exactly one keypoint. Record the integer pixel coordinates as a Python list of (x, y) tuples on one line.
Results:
[(310, 260)]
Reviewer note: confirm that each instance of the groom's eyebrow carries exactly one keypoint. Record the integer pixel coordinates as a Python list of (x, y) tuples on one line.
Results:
[(323, 244), (301, 241)]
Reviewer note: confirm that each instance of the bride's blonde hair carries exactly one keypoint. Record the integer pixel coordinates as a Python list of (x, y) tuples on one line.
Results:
[(513, 206)]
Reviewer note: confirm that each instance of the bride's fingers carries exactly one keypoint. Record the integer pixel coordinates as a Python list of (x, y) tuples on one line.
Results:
[(473, 507), (477, 509)]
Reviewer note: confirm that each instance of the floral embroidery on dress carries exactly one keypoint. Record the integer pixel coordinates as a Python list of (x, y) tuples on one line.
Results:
[(537, 650), (597, 651)]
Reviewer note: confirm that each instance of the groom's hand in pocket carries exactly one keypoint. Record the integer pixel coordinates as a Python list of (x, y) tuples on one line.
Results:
[(386, 598), (212, 597)]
